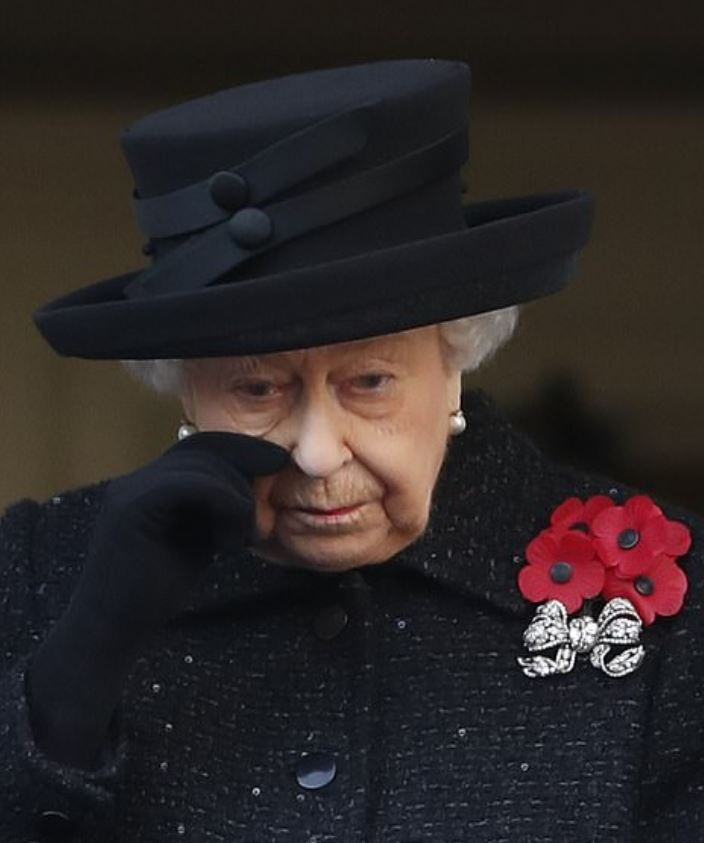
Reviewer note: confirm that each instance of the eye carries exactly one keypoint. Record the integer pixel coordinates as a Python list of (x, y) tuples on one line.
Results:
[(372, 382), (256, 388)]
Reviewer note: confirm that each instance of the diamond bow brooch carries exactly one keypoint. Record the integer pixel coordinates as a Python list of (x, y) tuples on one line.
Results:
[(618, 623)]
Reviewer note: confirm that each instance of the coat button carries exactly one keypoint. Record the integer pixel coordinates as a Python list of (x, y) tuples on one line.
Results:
[(228, 190), (250, 227), (316, 770), (330, 622), (55, 825)]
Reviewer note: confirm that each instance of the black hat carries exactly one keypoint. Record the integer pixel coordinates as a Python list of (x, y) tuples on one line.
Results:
[(310, 209)]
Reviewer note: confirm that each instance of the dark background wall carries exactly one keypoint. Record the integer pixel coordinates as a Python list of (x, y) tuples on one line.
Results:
[(602, 96)]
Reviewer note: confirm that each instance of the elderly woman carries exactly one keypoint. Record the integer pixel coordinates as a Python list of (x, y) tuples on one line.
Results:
[(326, 612)]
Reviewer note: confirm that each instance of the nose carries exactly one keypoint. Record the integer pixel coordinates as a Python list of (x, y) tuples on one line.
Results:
[(320, 447)]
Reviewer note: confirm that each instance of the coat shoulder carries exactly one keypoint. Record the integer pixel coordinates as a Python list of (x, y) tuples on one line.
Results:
[(43, 543), (27, 521)]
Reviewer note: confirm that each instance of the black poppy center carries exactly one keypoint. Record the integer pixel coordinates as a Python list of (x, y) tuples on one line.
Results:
[(582, 526), (561, 572), (644, 585), (628, 538)]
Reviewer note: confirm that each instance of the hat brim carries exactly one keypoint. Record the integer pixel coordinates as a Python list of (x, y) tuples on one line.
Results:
[(512, 251)]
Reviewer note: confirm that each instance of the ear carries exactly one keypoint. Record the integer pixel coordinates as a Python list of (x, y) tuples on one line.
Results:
[(453, 375), (186, 396), (454, 390)]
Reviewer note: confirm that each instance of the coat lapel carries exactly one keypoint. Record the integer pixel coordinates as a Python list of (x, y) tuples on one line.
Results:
[(484, 511)]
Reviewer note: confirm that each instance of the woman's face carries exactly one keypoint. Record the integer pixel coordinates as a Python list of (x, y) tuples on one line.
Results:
[(366, 423)]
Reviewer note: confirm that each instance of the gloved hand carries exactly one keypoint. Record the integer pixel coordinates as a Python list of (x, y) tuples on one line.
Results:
[(156, 532)]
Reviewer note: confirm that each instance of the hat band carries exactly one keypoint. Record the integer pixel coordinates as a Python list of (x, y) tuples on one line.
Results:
[(274, 169), (252, 231)]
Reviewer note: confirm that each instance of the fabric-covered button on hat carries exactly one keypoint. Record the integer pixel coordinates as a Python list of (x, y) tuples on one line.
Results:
[(250, 228), (228, 190)]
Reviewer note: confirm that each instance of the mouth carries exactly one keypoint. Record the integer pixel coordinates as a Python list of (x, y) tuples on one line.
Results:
[(317, 518), (336, 511)]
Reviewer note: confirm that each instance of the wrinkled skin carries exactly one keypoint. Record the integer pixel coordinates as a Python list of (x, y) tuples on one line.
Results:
[(367, 425)]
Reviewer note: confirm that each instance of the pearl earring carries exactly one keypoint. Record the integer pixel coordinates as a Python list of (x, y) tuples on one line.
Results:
[(458, 423), (186, 429)]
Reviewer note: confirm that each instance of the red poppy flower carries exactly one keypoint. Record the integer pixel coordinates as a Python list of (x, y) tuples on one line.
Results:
[(575, 514), (659, 590), (630, 537), (561, 566)]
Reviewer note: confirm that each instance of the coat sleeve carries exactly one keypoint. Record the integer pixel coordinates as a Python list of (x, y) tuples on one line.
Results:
[(671, 799), (39, 798)]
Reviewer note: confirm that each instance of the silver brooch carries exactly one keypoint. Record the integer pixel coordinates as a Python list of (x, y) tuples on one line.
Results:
[(618, 623)]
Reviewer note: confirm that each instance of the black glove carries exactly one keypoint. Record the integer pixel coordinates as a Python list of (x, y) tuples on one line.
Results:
[(158, 529)]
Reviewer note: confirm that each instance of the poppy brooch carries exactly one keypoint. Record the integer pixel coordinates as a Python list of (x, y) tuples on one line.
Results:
[(598, 551)]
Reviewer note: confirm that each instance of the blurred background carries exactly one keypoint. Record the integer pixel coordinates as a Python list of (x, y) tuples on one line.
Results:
[(608, 97)]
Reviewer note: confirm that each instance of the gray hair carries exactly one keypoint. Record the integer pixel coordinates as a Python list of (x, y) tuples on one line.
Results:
[(468, 343)]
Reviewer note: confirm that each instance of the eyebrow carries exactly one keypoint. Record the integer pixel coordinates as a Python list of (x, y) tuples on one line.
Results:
[(248, 363), (390, 350), (254, 363), (237, 364)]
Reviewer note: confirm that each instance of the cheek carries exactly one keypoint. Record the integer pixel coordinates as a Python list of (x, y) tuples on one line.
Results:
[(264, 513), (406, 458)]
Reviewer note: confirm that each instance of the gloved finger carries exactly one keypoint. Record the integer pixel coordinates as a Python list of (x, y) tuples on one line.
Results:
[(251, 455)]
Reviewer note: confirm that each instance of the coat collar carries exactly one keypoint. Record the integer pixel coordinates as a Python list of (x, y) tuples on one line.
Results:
[(484, 511), (493, 495)]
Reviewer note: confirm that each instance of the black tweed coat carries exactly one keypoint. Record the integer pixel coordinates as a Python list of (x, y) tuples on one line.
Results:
[(379, 704)]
